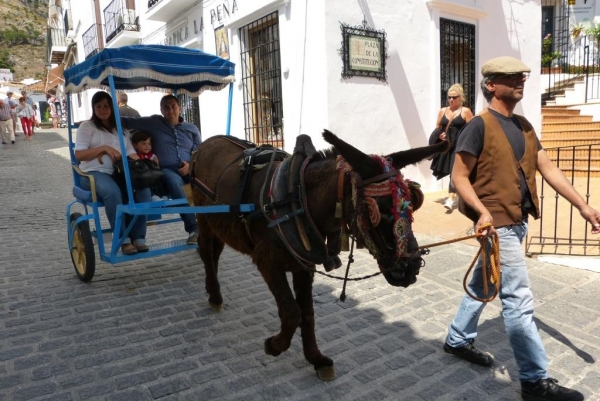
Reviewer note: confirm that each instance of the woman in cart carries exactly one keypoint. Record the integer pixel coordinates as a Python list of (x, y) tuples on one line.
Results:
[(97, 147)]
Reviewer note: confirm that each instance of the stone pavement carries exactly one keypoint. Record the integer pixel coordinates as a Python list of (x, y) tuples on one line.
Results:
[(143, 330)]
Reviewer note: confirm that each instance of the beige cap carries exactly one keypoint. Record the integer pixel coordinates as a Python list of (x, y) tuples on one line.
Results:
[(503, 65)]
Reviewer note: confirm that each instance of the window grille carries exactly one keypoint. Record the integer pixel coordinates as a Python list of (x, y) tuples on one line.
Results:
[(457, 59), (261, 81)]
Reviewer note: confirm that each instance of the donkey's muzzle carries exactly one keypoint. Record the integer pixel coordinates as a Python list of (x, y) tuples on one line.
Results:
[(404, 271)]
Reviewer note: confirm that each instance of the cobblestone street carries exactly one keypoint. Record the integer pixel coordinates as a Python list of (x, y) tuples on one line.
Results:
[(144, 331)]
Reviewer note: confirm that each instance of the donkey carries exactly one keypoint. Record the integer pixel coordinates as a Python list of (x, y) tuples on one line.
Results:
[(307, 201)]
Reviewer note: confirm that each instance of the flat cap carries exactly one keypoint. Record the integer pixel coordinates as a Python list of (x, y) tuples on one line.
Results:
[(503, 65)]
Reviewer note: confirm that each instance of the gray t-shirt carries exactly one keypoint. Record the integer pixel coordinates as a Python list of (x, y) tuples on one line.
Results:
[(471, 137)]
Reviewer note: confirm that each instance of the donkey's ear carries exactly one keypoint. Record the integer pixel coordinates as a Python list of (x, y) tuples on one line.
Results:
[(412, 156), (364, 165)]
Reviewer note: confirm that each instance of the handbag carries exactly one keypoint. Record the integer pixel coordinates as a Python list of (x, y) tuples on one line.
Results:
[(143, 173)]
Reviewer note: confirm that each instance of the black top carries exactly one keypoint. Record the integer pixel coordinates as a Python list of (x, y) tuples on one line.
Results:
[(442, 164)]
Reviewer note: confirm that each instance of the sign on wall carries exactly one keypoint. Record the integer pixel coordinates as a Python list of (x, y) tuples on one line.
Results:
[(363, 52), (581, 11)]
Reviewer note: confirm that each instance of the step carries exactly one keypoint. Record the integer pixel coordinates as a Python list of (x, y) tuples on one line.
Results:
[(567, 158), (568, 125), (560, 110), (554, 143), (572, 134), (577, 153), (593, 172), (567, 117)]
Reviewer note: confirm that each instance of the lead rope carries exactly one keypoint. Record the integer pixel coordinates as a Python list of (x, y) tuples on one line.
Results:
[(491, 270)]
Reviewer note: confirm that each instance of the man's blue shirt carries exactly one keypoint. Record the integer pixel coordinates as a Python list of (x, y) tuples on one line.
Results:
[(171, 144)]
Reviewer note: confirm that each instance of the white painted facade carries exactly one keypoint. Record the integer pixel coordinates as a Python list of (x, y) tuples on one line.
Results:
[(376, 117)]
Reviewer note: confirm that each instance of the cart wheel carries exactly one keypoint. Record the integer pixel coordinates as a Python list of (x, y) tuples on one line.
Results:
[(82, 255)]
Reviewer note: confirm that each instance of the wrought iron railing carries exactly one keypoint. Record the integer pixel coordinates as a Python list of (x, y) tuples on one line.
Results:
[(90, 41), (560, 229), (581, 63), (118, 18)]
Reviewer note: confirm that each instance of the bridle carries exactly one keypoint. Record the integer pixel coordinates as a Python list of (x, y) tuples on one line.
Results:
[(366, 215)]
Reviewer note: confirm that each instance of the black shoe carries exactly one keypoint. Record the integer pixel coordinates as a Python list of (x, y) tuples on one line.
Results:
[(192, 238), (548, 389), (470, 353), (13, 142)]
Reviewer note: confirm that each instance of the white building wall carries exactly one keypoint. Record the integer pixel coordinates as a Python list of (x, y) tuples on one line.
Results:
[(376, 117)]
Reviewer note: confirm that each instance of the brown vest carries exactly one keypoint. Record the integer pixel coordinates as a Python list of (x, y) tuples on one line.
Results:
[(495, 177)]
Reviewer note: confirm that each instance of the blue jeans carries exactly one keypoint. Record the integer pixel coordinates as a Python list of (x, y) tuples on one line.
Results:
[(173, 183), (517, 307), (108, 190)]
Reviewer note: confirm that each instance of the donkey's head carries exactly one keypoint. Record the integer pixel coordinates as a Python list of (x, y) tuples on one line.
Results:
[(383, 204)]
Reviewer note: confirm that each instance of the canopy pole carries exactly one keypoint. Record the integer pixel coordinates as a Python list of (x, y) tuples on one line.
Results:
[(113, 93), (70, 129), (228, 129)]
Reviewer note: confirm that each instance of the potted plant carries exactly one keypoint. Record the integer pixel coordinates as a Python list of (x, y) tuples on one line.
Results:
[(548, 56)]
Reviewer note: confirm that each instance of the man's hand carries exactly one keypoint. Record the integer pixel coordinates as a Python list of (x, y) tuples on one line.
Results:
[(485, 218), (592, 216), (184, 168)]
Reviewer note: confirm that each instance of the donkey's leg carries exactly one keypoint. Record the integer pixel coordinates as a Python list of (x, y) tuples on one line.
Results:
[(303, 281), (210, 251), (289, 312)]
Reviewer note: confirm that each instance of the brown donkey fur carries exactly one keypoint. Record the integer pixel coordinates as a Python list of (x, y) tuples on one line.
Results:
[(216, 166)]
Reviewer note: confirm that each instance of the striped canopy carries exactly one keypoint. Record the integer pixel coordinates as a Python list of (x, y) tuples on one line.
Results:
[(143, 67)]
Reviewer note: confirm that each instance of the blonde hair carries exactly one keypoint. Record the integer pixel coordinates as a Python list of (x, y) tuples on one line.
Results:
[(459, 90)]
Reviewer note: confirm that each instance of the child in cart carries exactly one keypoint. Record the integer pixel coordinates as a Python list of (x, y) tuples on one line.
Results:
[(143, 146)]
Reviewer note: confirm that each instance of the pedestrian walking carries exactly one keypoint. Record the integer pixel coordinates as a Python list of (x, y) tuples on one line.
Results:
[(497, 158), (6, 123), (124, 109)]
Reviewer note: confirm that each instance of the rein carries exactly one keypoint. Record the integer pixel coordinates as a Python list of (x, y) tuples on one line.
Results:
[(490, 272)]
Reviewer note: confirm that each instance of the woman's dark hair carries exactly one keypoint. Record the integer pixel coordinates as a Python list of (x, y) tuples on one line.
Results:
[(112, 122)]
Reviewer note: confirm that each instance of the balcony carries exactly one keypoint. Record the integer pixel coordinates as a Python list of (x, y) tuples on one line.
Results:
[(91, 44), (56, 44), (167, 10), (121, 25)]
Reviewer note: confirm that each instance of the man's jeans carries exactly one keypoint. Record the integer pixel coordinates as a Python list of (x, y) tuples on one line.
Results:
[(110, 193), (173, 183), (517, 307)]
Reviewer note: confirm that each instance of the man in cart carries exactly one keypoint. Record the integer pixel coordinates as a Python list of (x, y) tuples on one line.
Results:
[(173, 142)]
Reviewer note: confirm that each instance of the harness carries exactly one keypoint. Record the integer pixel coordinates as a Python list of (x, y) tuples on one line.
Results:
[(288, 211)]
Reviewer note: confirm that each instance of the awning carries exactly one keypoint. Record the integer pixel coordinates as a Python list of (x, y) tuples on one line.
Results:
[(137, 67), (55, 77)]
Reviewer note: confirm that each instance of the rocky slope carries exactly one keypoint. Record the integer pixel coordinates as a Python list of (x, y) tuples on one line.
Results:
[(23, 37)]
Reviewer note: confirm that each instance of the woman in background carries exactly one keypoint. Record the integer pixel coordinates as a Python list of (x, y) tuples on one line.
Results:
[(450, 121)]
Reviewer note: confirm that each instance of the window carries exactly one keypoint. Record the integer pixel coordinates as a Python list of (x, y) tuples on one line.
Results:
[(457, 59), (261, 81)]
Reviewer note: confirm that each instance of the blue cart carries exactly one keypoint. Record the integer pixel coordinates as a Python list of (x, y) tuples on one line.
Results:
[(134, 68)]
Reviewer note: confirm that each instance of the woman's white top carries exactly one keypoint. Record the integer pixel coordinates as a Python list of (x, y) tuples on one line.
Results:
[(89, 136), (25, 111)]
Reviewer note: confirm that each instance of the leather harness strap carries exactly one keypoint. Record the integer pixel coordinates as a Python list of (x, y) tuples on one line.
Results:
[(380, 177)]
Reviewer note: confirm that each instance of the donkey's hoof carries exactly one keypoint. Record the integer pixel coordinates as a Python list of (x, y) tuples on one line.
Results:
[(269, 350), (215, 307), (326, 373)]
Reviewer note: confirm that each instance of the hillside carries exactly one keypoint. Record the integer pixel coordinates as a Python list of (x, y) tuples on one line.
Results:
[(23, 37)]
